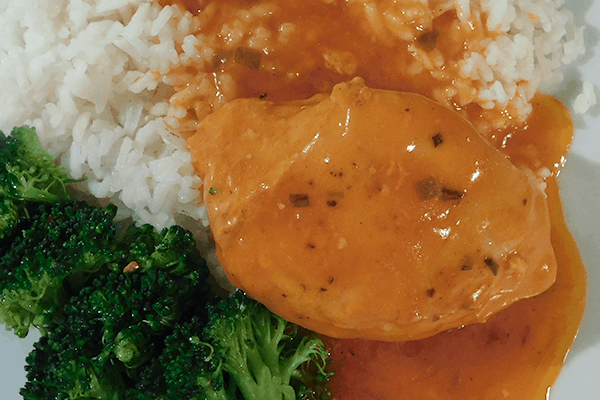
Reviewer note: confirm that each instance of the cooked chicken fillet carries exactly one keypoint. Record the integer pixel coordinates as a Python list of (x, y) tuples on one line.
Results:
[(370, 213)]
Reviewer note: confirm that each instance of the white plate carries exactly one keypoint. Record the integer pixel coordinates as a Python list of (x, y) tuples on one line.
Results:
[(580, 190), (580, 187)]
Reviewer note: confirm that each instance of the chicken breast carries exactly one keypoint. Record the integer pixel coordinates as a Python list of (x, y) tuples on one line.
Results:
[(370, 213)]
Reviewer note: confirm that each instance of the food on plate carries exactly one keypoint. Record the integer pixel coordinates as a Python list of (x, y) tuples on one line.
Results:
[(255, 355), (27, 173), (58, 244), (368, 213), (132, 315), (162, 334), (56, 247), (484, 59), (87, 77), (115, 88), (528, 339), (115, 325), (116, 83), (37, 213)]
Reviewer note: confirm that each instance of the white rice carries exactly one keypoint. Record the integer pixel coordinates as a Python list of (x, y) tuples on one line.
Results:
[(538, 39), (88, 75)]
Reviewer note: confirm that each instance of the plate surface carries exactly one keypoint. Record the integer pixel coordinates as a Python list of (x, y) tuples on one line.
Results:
[(580, 189)]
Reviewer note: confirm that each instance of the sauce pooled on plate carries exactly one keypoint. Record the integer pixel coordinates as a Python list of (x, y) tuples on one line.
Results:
[(519, 352)]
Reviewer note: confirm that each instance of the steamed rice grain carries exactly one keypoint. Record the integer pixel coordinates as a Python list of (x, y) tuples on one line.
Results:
[(586, 99)]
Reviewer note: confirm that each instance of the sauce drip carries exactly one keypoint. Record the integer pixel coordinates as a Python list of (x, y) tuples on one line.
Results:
[(518, 353)]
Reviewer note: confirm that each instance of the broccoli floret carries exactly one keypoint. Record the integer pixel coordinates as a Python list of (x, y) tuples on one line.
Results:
[(244, 352), (59, 367), (129, 308), (114, 333), (173, 248), (9, 215), (27, 213), (192, 367), (64, 245), (27, 174), (149, 382), (27, 171)]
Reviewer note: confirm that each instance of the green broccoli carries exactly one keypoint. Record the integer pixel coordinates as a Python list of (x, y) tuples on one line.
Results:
[(9, 216), (157, 335), (130, 316), (27, 173), (59, 368), (64, 245), (115, 331), (173, 247), (149, 383), (244, 352), (192, 367), (129, 308)]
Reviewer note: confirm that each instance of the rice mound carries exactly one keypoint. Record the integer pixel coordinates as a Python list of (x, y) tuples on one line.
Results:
[(90, 76)]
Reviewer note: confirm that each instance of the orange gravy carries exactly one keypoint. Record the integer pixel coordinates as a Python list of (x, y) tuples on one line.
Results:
[(519, 352), (331, 42)]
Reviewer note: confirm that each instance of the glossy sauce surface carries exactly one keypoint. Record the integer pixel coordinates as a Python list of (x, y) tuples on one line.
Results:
[(518, 353), (370, 213), (306, 47)]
